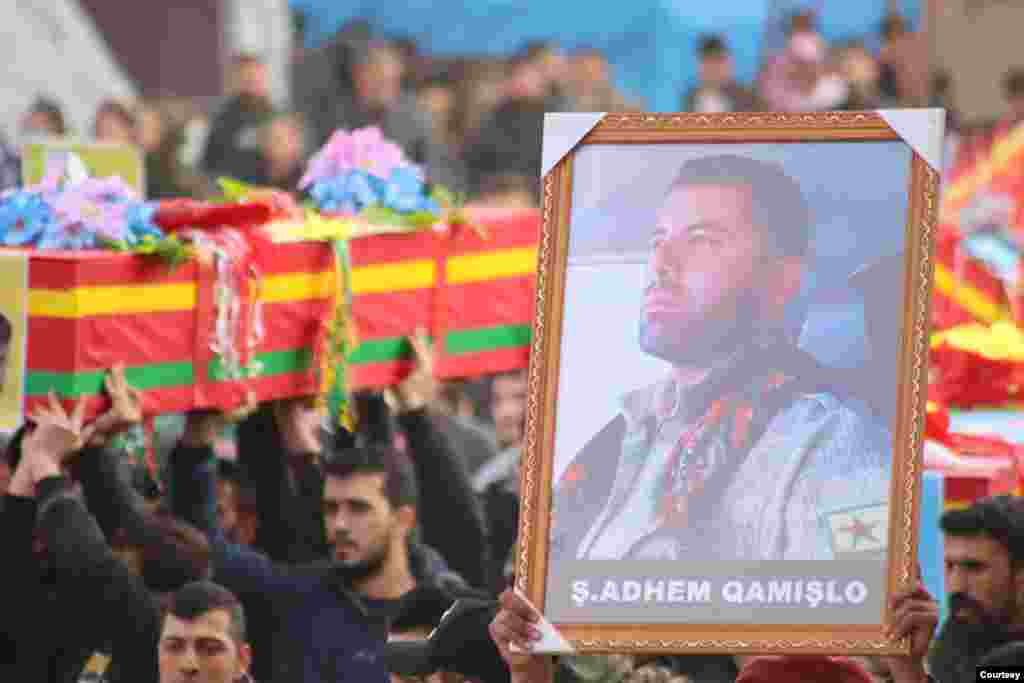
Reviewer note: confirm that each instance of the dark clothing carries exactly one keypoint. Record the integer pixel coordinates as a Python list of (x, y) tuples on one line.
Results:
[(509, 142), (233, 146), (958, 649), (82, 600), (471, 443), (289, 487), (89, 602), (322, 632), (451, 518)]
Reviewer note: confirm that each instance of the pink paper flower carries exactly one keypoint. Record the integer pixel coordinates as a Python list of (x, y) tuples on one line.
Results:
[(364, 149)]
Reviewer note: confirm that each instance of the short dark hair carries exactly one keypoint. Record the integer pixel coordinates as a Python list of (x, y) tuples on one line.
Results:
[(778, 204), (712, 46), (197, 598), (804, 20), (1011, 654), (1000, 518), (247, 59), (6, 330), (1013, 83), (400, 486), (173, 553)]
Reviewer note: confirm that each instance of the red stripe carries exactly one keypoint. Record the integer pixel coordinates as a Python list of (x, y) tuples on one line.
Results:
[(961, 488), (65, 270), (180, 399), (509, 301), (381, 375), (483, 363), (375, 249), (377, 375), (97, 343), (504, 228), (392, 314)]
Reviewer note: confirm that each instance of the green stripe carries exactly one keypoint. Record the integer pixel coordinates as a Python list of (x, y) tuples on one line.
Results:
[(268, 364), (459, 342), (158, 375), (76, 384)]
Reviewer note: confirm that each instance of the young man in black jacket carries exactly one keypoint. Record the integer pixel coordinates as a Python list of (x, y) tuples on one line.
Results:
[(86, 613)]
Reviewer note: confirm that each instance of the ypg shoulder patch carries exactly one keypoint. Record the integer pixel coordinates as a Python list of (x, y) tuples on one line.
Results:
[(858, 532)]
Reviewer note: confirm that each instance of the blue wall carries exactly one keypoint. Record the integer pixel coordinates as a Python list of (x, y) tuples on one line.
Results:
[(651, 43)]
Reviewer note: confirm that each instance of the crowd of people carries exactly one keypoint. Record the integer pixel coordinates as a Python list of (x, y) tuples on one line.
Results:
[(474, 123), (315, 550)]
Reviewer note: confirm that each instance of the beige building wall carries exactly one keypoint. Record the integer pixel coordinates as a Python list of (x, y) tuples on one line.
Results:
[(977, 41)]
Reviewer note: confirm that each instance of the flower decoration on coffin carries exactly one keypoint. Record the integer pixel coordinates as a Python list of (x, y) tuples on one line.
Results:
[(362, 173), (68, 210)]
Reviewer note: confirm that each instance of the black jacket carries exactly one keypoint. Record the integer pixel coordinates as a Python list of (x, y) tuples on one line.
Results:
[(232, 147), (87, 600)]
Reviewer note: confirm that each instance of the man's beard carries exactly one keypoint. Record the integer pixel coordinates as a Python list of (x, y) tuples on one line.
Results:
[(369, 566), (697, 342), (987, 622)]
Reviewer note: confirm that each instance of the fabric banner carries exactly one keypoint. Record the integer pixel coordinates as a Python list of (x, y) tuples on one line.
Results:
[(473, 294), (177, 332)]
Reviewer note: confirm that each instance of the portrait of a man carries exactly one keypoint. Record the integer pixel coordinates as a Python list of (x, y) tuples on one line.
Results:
[(748, 448)]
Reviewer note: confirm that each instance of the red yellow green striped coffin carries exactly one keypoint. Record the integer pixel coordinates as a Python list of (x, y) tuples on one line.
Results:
[(471, 289), (91, 310)]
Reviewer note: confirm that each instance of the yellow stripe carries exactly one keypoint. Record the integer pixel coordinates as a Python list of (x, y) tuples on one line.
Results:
[(83, 302), (975, 301), (111, 300), (392, 277), (297, 287), (491, 265)]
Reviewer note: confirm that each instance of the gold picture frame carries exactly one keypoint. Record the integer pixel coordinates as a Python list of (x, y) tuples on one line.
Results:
[(531, 561)]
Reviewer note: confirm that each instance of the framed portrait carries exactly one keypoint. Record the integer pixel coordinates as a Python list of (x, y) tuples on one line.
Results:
[(728, 380)]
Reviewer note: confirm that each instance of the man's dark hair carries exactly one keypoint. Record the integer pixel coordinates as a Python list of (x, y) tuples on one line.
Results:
[(1000, 518), (778, 205), (533, 50), (1011, 654), (173, 553), (712, 46), (1013, 83), (195, 599), (6, 331), (400, 486), (247, 59)]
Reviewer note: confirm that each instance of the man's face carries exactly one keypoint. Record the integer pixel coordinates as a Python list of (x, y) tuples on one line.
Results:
[(704, 282), (980, 582), (201, 651), (39, 123), (378, 83), (252, 79), (508, 407), (360, 523), (114, 129), (716, 69)]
